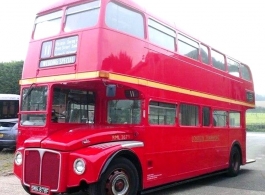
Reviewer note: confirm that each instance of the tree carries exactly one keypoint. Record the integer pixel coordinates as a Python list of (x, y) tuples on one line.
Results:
[(10, 74)]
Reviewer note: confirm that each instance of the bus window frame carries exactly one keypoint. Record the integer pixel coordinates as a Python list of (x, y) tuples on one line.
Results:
[(164, 30), (187, 41), (213, 51), (124, 6), (240, 119), (208, 54), (162, 107), (214, 123), (180, 116), (80, 11)]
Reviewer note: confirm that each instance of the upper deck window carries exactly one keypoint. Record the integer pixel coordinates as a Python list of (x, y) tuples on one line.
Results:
[(124, 20), (48, 25), (82, 16), (188, 47), (218, 60), (233, 67), (161, 35), (205, 54), (245, 72)]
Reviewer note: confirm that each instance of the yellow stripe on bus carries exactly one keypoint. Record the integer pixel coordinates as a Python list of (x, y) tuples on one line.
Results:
[(175, 89), (131, 80), (68, 77)]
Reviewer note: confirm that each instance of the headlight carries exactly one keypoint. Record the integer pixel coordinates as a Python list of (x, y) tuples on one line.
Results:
[(79, 166), (18, 158)]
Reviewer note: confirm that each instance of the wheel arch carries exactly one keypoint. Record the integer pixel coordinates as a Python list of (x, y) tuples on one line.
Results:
[(130, 155)]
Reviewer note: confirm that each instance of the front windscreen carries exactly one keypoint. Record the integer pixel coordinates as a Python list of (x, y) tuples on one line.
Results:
[(34, 102)]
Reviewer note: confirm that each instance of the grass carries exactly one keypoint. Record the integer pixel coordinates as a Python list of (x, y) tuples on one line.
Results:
[(255, 118), (255, 122), (6, 162)]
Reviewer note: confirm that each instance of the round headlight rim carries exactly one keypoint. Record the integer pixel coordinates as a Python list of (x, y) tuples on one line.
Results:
[(75, 163), (18, 163)]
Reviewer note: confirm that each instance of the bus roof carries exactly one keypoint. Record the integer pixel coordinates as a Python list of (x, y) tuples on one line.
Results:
[(9, 97)]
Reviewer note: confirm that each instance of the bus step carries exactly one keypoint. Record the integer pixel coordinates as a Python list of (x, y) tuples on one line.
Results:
[(250, 161)]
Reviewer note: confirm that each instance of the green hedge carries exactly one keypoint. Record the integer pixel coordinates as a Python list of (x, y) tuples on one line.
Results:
[(256, 128), (10, 74)]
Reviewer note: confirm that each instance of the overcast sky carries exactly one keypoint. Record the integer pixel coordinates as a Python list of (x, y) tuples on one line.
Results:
[(234, 27)]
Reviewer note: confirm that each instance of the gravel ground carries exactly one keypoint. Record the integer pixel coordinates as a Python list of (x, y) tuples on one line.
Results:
[(6, 162)]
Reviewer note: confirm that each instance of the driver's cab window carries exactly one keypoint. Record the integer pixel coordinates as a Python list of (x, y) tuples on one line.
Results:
[(73, 106)]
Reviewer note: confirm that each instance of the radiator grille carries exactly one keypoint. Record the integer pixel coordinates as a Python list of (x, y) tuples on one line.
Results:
[(42, 167), (32, 167)]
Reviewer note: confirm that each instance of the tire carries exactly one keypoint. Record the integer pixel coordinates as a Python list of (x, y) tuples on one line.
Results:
[(120, 178), (1, 149), (26, 188), (234, 162)]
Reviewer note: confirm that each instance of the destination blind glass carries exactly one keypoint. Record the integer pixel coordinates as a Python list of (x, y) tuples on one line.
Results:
[(65, 46)]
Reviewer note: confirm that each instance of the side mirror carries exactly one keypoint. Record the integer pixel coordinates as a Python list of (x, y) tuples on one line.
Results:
[(111, 90)]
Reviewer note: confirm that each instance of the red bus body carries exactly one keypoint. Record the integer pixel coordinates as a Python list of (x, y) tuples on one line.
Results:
[(184, 120)]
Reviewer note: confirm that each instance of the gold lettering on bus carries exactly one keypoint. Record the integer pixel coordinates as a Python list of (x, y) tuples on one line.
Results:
[(205, 138), (121, 137)]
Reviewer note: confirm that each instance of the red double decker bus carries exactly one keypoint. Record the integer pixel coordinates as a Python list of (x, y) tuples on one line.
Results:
[(115, 101)]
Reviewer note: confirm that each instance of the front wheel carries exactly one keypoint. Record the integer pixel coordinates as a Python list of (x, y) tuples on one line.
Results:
[(26, 188), (120, 178), (234, 162)]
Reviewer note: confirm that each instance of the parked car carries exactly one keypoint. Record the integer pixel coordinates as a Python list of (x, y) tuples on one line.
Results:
[(8, 134)]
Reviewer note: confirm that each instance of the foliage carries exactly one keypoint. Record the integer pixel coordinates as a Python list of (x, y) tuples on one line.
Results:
[(256, 128), (10, 74)]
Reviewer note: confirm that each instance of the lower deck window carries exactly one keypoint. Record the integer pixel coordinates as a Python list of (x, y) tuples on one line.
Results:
[(219, 118), (124, 111), (189, 115), (162, 113), (234, 119), (206, 116)]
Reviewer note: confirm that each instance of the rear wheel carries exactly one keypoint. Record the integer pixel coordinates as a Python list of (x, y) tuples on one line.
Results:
[(120, 178), (234, 162)]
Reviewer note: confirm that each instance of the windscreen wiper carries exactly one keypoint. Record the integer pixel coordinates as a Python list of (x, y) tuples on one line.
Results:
[(28, 92)]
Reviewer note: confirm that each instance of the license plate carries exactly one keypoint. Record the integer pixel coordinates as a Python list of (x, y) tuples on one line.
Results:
[(1, 135), (38, 189)]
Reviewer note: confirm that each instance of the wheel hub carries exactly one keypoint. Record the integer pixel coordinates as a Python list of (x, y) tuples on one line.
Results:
[(118, 183)]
